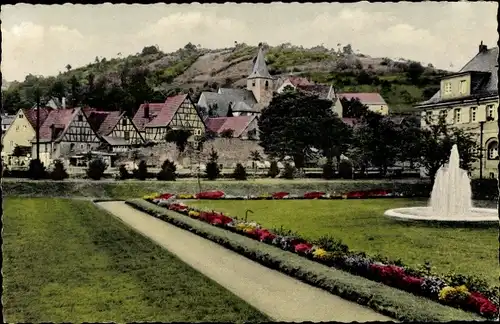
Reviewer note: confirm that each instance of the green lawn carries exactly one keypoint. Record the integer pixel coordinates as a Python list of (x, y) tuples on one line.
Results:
[(361, 225), (68, 261)]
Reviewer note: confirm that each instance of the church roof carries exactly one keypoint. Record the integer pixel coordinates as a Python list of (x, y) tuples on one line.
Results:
[(260, 67), (239, 99)]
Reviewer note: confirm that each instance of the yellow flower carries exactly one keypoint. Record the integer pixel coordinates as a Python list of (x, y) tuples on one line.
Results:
[(151, 196), (320, 253), (462, 289), (264, 195), (241, 226), (453, 293), (185, 196), (193, 213), (446, 292)]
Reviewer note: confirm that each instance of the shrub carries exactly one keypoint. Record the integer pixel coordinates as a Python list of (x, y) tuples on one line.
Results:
[(227, 133), (212, 169), (345, 169), (96, 169), (274, 171), (123, 173), (239, 172), (289, 172), (141, 172), (36, 170), (167, 172), (59, 172), (328, 170), (331, 244)]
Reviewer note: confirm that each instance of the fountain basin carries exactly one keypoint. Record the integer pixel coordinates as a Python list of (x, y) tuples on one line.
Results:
[(426, 214)]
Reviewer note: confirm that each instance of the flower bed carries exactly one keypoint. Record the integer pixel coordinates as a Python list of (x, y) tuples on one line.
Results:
[(483, 301), (215, 195)]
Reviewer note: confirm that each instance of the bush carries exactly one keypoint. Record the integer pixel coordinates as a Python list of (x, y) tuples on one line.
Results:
[(227, 133), (59, 172), (345, 169), (167, 172), (274, 171), (96, 169), (239, 172), (37, 170), (123, 173), (328, 171), (212, 169), (141, 172), (289, 172)]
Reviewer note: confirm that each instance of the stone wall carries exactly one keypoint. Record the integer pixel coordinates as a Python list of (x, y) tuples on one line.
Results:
[(230, 151)]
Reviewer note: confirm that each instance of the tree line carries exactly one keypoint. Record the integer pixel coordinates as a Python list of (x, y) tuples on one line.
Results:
[(297, 124)]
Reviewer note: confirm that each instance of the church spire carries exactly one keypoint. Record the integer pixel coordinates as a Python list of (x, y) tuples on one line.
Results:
[(260, 67)]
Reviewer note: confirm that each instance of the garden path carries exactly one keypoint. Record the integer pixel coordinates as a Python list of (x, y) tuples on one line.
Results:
[(279, 296)]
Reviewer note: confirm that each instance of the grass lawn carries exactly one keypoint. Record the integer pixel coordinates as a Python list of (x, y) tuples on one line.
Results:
[(68, 261), (361, 225)]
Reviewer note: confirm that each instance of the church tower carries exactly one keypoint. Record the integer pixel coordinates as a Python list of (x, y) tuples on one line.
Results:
[(260, 82)]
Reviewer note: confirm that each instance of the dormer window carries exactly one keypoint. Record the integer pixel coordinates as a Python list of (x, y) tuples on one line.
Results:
[(447, 88), (463, 86), (489, 112)]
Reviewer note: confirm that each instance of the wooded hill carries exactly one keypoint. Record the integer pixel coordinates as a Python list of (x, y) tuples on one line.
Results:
[(151, 75)]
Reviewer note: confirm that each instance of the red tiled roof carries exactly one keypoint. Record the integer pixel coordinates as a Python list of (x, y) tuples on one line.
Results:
[(372, 98), (96, 118), (140, 121), (31, 115), (61, 118), (296, 80), (110, 122), (168, 111), (238, 124)]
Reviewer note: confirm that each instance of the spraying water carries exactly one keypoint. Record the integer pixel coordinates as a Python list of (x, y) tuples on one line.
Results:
[(451, 195)]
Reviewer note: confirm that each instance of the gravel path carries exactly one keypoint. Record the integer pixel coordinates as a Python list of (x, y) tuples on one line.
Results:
[(279, 296)]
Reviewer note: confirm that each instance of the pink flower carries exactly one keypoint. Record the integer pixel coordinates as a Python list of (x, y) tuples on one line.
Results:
[(303, 247), (210, 195), (165, 196)]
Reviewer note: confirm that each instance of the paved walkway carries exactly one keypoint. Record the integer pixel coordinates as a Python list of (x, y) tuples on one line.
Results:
[(281, 297)]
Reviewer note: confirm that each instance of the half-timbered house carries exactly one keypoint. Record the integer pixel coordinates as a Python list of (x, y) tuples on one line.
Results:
[(178, 112), (65, 132), (116, 130)]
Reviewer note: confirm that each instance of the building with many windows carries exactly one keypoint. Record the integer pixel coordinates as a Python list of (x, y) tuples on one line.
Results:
[(469, 100)]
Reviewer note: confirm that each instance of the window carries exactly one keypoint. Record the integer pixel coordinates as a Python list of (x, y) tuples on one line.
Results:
[(24, 127), (72, 147), (492, 175), (253, 83), (442, 113), (489, 112), (493, 150), (126, 135), (473, 111), (124, 122), (463, 86), (447, 88), (21, 116), (197, 131), (82, 146), (457, 116), (80, 118), (267, 85)]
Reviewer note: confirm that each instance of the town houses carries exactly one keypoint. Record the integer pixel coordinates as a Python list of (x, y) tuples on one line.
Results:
[(468, 98)]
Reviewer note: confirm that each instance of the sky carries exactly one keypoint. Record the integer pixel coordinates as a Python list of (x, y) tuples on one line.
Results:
[(42, 40)]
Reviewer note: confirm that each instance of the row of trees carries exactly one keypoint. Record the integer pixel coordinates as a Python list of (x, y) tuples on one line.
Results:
[(295, 124)]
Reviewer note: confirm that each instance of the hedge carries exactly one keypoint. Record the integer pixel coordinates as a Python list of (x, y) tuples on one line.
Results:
[(386, 300)]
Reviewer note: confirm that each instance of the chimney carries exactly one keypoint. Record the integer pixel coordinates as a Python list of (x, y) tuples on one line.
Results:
[(146, 110), (482, 48), (63, 102)]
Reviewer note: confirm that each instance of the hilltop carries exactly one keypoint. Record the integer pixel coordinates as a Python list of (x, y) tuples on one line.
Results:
[(197, 69)]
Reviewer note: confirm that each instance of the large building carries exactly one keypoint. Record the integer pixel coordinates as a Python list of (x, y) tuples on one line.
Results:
[(469, 100), (373, 100)]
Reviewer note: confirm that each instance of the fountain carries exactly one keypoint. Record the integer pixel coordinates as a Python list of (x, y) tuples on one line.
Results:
[(451, 199)]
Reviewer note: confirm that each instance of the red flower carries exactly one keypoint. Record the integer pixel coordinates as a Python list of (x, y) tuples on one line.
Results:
[(303, 247), (210, 195), (280, 195), (314, 195), (266, 236), (388, 273), (480, 303), (356, 194), (412, 283), (165, 196), (216, 221), (296, 241)]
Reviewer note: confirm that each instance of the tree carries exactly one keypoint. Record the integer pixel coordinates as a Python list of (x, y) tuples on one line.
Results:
[(345, 169), (96, 168), (255, 157), (167, 172), (141, 172), (409, 140), (239, 172), (123, 173), (68, 67), (75, 91), (437, 139), (227, 133), (289, 171), (58, 89), (179, 137), (328, 170), (414, 71), (150, 50), (292, 125), (212, 168), (59, 172), (274, 171), (11, 101), (353, 108)]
